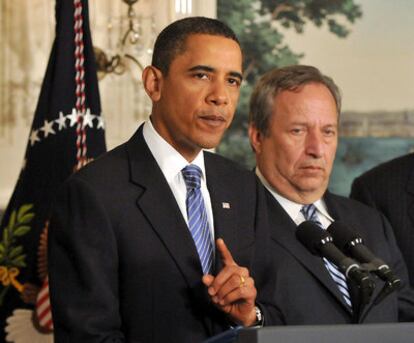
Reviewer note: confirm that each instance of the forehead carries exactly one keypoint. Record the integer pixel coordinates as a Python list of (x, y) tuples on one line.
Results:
[(211, 50), (312, 101)]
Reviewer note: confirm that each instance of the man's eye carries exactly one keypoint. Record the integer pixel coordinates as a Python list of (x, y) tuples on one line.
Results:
[(296, 131), (330, 132), (201, 76), (234, 82)]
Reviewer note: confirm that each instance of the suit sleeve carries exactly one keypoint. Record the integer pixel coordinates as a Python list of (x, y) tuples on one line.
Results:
[(406, 293), (263, 269), (360, 192), (83, 268)]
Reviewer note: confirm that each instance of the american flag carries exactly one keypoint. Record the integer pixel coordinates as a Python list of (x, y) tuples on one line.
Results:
[(67, 131)]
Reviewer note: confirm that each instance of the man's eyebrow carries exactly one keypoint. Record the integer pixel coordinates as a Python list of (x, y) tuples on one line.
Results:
[(236, 75), (211, 70), (202, 68)]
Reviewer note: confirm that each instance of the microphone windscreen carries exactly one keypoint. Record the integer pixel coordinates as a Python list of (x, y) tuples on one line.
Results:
[(311, 236), (342, 235)]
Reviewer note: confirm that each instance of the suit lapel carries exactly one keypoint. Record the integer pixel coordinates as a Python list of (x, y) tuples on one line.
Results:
[(159, 206), (223, 206), (283, 231)]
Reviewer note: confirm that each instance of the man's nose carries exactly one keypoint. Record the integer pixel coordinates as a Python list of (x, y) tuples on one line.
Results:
[(219, 93), (314, 143)]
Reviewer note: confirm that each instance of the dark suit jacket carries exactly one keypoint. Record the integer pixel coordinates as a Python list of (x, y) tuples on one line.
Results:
[(123, 265), (390, 188), (306, 294)]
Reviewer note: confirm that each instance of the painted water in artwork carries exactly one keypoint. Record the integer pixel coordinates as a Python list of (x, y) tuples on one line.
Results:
[(356, 155)]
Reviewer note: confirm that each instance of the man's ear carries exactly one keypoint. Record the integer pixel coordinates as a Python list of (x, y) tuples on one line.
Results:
[(152, 80), (256, 138)]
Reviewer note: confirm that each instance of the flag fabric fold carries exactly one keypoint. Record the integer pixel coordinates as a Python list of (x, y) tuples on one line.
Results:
[(67, 131)]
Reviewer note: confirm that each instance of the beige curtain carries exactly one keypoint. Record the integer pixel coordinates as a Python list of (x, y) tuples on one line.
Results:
[(25, 40)]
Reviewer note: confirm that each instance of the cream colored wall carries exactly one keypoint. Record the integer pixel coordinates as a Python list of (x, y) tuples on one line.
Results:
[(26, 36)]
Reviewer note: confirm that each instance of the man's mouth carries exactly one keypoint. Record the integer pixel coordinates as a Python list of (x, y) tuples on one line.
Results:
[(312, 168), (213, 120)]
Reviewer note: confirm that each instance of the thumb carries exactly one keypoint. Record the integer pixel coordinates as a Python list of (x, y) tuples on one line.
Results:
[(208, 280)]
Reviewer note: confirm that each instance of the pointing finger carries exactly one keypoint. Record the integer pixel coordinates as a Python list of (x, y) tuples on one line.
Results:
[(225, 254)]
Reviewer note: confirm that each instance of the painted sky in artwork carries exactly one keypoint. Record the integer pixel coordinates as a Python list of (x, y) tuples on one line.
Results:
[(374, 65)]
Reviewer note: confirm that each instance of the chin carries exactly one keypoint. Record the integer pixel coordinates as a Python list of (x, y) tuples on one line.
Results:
[(313, 186), (210, 143)]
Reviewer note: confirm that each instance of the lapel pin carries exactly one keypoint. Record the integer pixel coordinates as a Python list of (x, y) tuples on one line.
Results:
[(226, 205)]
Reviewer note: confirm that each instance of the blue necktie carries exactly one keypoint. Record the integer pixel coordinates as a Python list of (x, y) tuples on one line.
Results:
[(310, 213), (197, 216)]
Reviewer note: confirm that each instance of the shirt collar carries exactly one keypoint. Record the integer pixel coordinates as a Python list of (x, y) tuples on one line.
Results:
[(321, 207), (169, 160), (292, 208)]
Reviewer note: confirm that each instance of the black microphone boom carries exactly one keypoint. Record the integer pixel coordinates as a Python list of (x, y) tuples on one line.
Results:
[(351, 243)]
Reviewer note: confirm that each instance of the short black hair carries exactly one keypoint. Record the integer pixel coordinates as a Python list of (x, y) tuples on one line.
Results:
[(171, 41)]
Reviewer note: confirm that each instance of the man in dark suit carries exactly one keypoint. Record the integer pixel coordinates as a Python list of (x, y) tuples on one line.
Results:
[(294, 113), (389, 188), (132, 255)]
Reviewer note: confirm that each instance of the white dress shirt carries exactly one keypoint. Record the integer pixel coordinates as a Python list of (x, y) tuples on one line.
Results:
[(293, 208), (171, 163)]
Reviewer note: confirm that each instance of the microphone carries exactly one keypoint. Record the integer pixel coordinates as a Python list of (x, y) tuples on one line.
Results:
[(319, 242), (351, 243)]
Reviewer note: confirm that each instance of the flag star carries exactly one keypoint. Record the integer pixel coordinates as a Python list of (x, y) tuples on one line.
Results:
[(48, 128), (73, 117), (87, 119), (34, 137), (61, 121), (101, 122)]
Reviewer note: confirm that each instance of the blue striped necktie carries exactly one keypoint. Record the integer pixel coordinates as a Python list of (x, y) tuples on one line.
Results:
[(197, 216), (310, 213)]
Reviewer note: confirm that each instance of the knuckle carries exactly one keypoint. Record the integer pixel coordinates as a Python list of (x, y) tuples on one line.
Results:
[(235, 280), (245, 272)]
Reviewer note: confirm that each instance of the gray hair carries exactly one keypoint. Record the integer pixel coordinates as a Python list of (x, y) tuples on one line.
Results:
[(280, 79)]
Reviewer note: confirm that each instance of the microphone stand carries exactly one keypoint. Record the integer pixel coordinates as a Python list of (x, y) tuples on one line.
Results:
[(392, 283), (366, 288)]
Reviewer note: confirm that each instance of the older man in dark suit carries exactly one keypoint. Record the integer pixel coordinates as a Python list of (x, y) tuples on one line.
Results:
[(294, 113), (132, 253), (389, 188)]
